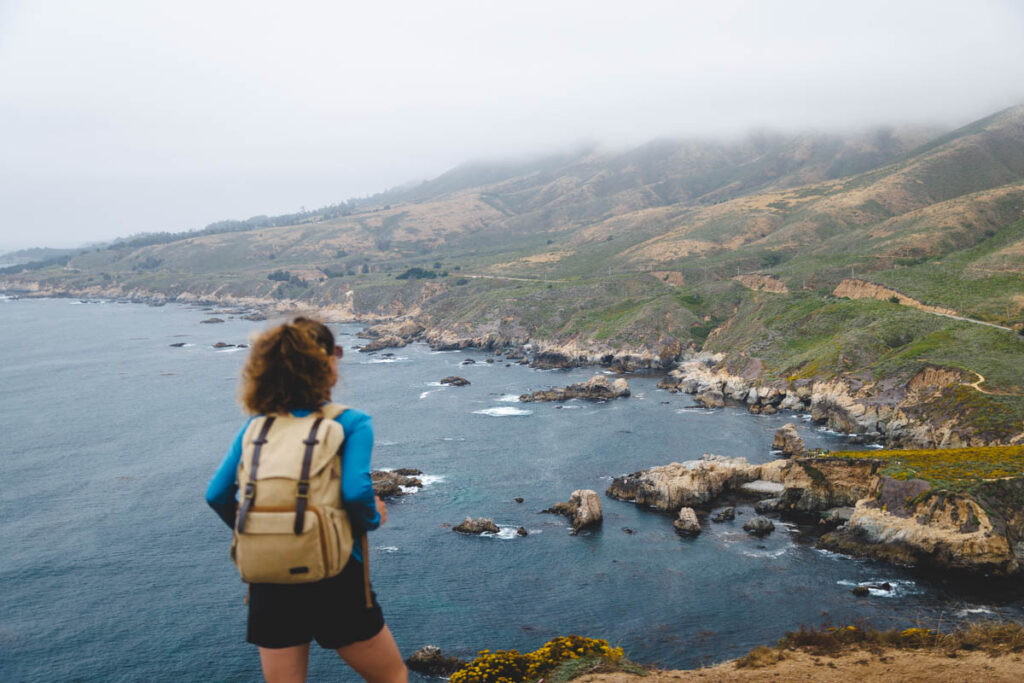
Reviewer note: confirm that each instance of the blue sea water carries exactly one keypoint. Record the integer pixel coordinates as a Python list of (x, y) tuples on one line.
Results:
[(114, 569)]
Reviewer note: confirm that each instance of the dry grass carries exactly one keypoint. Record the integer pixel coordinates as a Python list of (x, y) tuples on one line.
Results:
[(994, 638)]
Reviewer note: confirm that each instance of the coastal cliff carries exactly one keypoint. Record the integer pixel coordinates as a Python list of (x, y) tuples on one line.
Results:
[(977, 531)]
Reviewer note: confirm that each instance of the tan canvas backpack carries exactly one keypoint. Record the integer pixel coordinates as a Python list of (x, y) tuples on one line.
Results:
[(291, 526)]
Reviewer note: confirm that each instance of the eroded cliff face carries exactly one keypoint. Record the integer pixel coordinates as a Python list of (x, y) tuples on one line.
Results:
[(900, 416), (814, 485), (851, 288), (932, 530)]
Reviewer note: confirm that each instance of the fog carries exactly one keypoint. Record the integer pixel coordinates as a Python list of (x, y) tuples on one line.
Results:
[(133, 116)]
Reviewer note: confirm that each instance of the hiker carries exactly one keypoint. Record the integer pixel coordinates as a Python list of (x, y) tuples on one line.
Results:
[(288, 376)]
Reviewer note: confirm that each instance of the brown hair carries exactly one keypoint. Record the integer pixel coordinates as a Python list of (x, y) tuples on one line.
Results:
[(289, 368)]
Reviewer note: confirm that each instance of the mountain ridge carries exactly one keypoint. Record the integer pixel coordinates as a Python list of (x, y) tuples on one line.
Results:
[(640, 251)]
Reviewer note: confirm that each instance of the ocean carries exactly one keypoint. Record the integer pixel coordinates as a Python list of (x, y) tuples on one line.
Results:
[(114, 569)]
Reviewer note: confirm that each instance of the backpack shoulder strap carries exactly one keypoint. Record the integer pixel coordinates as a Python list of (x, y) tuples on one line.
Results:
[(302, 491), (332, 410), (250, 487)]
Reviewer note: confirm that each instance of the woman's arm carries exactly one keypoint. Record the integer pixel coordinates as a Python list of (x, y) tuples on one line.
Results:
[(222, 491), (356, 485)]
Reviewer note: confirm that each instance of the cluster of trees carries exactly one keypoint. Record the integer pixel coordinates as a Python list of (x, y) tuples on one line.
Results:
[(286, 276)]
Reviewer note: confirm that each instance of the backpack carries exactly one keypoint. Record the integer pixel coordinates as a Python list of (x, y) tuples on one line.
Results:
[(291, 526)]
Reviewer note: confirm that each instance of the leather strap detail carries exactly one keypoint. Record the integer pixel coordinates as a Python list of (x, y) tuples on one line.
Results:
[(250, 487), (302, 488)]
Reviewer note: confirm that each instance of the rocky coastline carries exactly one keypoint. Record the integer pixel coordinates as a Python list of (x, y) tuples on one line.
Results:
[(974, 536), (894, 415)]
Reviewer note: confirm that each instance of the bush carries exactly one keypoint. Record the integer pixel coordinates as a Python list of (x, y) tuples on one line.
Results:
[(417, 274), (509, 666)]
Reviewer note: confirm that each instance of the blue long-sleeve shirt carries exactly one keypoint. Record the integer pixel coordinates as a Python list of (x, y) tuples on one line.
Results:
[(356, 485)]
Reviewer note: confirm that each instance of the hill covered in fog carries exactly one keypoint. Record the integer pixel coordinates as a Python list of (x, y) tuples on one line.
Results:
[(817, 256)]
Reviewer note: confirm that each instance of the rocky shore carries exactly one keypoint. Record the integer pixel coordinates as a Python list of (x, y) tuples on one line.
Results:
[(893, 415), (975, 535), (884, 412)]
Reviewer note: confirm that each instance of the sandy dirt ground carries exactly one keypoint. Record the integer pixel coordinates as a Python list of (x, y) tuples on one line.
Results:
[(856, 665)]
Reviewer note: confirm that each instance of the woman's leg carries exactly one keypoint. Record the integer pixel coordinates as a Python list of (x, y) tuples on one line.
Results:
[(285, 664), (377, 660)]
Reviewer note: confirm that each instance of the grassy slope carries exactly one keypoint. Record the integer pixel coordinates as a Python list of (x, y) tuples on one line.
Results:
[(942, 224)]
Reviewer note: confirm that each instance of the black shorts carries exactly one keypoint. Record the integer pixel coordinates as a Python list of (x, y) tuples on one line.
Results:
[(333, 612)]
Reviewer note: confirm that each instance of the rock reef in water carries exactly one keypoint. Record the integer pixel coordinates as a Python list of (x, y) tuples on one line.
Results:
[(389, 483), (788, 441), (390, 342), (430, 661), (726, 514), (476, 526), (759, 526), (597, 388), (691, 484), (686, 524), (583, 509), (455, 381)]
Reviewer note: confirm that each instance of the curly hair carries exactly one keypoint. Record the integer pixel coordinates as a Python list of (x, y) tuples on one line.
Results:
[(289, 368)]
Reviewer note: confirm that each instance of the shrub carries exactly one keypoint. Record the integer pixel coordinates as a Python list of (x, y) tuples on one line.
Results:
[(510, 666)]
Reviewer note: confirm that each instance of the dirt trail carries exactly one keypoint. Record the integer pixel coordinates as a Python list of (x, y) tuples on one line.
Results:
[(976, 385), (890, 666)]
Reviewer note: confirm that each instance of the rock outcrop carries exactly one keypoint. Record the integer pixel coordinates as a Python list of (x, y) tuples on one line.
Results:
[(455, 381), (686, 523), (726, 514), (597, 388), (583, 509), (691, 484), (910, 523), (476, 526), (813, 485), (759, 526), (430, 661), (389, 483), (388, 342), (788, 441)]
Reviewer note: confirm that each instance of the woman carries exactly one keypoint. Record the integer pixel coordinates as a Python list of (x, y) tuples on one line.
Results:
[(292, 368)]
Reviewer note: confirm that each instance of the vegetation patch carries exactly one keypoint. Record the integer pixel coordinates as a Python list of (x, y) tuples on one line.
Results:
[(992, 637), (949, 469), (564, 658)]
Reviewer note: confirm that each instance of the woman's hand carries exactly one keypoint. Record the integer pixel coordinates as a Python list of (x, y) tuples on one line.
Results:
[(382, 509)]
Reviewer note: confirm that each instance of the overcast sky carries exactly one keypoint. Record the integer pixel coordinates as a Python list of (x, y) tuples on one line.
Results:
[(123, 117)]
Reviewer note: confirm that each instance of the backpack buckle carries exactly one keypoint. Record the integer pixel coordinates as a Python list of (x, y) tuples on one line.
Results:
[(250, 490), (303, 489)]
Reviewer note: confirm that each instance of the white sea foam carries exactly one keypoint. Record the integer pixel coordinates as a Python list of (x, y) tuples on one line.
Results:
[(503, 411), (696, 410), (898, 588), (231, 350), (771, 554), (505, 533), (967, 611), (875, 446), (387, 548), (509, 398), (387, 443), (428, 392), (430, 479), (434, 384)]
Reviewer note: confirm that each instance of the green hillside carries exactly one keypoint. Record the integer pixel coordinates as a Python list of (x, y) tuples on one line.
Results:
[(662, 248)]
